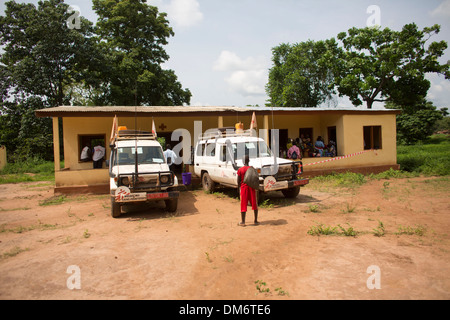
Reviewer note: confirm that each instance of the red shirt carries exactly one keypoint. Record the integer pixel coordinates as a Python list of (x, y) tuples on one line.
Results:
[(241, 173)]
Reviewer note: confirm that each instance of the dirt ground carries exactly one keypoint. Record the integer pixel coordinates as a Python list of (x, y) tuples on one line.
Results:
[(200, 252)]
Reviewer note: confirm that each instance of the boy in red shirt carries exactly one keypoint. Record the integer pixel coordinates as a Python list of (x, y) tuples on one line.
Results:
[(246, 193)]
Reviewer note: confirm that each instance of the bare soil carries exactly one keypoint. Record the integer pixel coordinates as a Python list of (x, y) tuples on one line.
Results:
[(200, 252)]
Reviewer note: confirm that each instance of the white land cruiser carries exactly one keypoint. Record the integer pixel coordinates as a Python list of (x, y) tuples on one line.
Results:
[(139, 172), (218, 156)]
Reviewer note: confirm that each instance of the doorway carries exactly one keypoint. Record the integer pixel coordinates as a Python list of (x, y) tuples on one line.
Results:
[(332, 136), (165, 139), (282, 141)]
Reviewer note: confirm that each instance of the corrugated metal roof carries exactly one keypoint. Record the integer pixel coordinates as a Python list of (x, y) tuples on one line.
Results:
[(108, 110)]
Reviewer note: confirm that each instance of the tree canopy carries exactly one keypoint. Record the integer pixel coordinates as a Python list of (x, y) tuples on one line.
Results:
[(366, 65), (50, 59), (386, 65), (301, 74), (131, 35), (42, 56), (417, 121)]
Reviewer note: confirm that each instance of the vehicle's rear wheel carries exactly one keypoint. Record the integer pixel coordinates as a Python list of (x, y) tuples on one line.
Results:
[(291, 192), (207, 183), (171, 205), (115, 208)]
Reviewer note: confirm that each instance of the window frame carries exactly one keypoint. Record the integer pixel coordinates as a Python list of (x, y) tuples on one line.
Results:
[(372, 137), (82, 141)]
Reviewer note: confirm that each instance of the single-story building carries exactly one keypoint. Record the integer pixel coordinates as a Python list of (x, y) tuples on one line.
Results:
[(356, 132)]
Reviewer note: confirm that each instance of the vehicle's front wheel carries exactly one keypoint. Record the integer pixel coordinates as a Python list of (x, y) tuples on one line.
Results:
[(171, 205), (291, 192), (115, 208), (207, 183)]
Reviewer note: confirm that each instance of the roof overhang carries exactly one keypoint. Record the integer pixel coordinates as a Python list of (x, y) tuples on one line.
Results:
[(193, 111)]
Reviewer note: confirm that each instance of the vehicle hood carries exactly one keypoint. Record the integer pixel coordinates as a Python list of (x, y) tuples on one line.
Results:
[(142, 168)]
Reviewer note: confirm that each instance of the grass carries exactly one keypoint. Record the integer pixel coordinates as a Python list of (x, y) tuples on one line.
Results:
[(34, 169), (22, 229), (432, 157), (13, 252), (321, 229), (261, 287), (55, 200), (380, 230), (344, 180), (418, 230)]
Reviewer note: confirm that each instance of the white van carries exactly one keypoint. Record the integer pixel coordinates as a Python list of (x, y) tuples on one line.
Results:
[(139, 172), (219, 154)]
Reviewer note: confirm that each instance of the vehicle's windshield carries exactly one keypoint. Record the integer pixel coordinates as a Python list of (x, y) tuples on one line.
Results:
[(254, 149), (145, 154)]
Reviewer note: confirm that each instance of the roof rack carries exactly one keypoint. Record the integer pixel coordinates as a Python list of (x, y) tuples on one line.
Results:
[(133, 134), (226, 132)]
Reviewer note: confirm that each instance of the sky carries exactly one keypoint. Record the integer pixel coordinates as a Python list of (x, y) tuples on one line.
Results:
[(222, 50)]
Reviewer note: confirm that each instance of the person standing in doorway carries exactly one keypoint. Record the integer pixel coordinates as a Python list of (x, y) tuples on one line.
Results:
[(247, 193), (98, 155), (85, 154), (170, 154)]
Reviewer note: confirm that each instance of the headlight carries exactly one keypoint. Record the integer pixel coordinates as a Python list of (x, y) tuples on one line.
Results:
[(125, 181), (164, 179)]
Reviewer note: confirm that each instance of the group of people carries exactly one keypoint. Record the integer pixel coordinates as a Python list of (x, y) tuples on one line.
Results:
[(96, 155), (303, 147)]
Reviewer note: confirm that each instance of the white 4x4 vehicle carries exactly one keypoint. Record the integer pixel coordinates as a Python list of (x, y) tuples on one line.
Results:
[(139, 172), (218, 156)]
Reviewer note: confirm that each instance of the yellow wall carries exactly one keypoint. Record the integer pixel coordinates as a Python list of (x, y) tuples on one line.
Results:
[(68, 178), (75, 126), (353, 137), (2, 157), (349, 131)]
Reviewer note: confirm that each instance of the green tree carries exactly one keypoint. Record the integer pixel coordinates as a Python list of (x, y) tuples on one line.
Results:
[(302, 73), (131, 35), (370, 65), (42, 59), (42, 55), (386, 65), (417, 121), (24, 135)]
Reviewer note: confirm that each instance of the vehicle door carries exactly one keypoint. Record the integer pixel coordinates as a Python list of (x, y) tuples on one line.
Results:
[(224, 170), (209, 161), (198, 158)]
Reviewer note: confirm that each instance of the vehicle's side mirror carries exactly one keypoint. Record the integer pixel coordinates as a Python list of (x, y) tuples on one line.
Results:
[(169, 161)]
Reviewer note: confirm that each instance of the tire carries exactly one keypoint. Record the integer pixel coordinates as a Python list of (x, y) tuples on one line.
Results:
[(291, 192), (171, 205), (115, 208), (207, 183)]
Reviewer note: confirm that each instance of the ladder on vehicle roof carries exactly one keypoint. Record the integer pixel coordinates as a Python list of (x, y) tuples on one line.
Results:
[(135, 134), (226, 132)]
